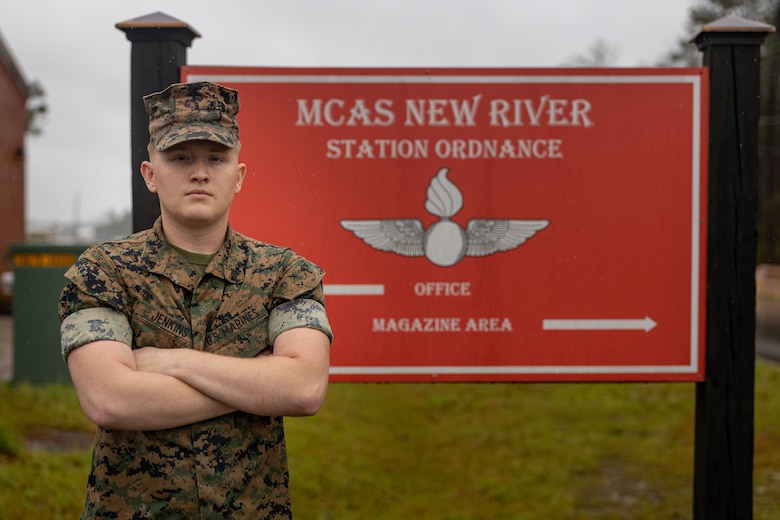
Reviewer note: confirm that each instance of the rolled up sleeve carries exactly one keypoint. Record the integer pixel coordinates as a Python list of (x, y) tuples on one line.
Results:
[(93, 324), (293, 314)]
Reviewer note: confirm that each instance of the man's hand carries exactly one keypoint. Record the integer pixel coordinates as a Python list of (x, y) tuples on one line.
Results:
[(157, 360)]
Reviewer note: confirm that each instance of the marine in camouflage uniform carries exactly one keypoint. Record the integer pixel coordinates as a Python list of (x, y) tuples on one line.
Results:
[(141, 291)]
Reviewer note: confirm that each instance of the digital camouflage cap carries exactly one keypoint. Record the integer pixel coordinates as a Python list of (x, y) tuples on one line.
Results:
[(192, 111)]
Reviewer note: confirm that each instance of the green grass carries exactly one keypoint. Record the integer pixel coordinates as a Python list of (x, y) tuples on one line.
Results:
[(36, 484), (443, 452), (496, 451)]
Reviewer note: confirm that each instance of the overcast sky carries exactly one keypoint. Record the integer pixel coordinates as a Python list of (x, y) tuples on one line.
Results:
[(79, 168)]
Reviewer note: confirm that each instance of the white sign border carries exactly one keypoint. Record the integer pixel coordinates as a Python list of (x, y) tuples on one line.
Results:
[(694, 80)]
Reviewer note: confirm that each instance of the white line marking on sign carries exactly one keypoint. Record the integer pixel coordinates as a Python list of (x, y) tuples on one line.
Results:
[(645, 324), (353, 289)]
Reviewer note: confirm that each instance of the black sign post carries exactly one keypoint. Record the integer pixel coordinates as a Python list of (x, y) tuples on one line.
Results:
[(723, 467), (159, 49)]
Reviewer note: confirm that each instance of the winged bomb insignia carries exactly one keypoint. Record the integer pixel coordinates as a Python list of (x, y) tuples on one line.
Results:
[(444, 243)]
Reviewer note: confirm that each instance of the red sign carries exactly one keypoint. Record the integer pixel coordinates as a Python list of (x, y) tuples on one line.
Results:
[(487, 225)]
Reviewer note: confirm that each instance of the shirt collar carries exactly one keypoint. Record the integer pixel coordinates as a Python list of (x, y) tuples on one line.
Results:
[(228, 263)]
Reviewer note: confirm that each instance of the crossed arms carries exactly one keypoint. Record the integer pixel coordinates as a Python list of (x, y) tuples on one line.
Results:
[(153, 389)]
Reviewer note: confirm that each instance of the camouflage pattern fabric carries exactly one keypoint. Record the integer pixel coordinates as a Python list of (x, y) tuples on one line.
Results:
[(140, 290), (187, 111)]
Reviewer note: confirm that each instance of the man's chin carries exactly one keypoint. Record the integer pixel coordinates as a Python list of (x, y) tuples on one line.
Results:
[(199, 219)]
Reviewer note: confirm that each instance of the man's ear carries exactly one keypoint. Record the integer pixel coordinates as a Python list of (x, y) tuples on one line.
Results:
[(241, 176), (147, 172)]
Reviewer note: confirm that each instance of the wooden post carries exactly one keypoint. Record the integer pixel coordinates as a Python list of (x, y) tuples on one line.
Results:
[(159, 49), (723, 466)]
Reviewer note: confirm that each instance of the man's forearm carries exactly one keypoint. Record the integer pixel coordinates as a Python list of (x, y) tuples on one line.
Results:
[(161, 402), (114, 394), (292, 381), (265, 385)]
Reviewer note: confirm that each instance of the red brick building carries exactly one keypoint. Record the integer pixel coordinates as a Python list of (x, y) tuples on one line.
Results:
[(13, 98)]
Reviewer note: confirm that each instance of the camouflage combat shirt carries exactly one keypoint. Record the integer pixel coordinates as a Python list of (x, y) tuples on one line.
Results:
[(141, 292)]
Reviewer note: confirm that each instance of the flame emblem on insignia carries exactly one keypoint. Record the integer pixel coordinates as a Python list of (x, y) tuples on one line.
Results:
[(444, 243)]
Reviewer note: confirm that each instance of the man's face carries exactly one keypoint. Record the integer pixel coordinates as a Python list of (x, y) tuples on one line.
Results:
[(195, 181)]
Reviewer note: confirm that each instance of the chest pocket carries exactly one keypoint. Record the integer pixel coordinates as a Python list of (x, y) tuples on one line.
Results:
[(152, 328), (244, 335)]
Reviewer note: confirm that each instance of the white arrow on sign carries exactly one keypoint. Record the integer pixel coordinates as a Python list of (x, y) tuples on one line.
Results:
[(645, 324)]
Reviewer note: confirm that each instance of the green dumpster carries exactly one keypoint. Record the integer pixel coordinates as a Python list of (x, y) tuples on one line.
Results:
[(38, 280)]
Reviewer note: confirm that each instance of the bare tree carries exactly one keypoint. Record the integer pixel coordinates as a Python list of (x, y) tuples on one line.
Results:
[(769, 149), (600, 54), (685, 54), (36, 107)]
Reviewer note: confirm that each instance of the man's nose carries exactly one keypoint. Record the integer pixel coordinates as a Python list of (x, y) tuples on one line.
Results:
[(199, 172)]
